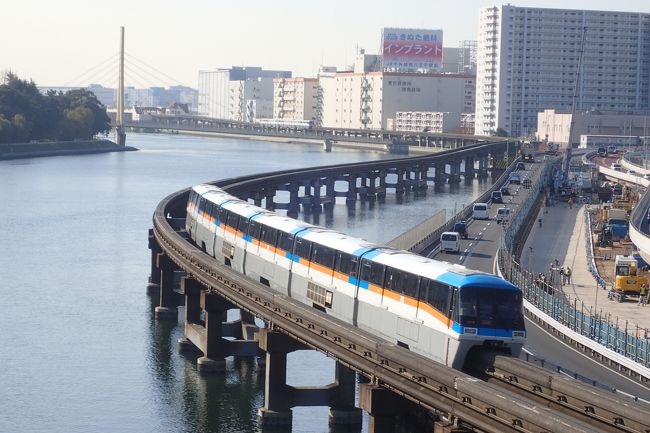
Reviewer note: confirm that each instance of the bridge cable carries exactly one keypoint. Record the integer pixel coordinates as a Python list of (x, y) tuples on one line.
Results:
[(102, 64)]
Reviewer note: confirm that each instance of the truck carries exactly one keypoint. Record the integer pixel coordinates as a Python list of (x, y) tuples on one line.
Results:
[(617, 221), (628, 277)]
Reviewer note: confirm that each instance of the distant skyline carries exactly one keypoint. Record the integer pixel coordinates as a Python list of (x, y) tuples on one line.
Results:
[(56, 43)]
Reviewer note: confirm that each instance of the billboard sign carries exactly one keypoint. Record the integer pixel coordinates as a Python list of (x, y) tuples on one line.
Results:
[(411, 49)]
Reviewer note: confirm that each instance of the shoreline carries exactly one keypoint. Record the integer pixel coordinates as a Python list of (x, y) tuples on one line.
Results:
[(11, 151)]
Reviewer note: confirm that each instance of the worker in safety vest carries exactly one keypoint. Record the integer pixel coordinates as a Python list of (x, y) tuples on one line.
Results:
[(643, 295)]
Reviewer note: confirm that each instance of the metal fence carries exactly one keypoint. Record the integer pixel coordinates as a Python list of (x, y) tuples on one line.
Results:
[(620, 336)]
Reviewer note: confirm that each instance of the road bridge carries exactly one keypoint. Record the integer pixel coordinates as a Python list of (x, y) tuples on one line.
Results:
[(422, 141), (210, 289)]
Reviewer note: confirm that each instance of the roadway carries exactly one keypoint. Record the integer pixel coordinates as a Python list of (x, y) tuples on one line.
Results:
[(479, 252)]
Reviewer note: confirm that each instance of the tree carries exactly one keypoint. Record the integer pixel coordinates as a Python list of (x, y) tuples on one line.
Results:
[(26, 114), (502, 132)]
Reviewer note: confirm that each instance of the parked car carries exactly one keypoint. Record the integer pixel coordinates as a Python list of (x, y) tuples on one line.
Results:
[(461, 228), (496, 197)]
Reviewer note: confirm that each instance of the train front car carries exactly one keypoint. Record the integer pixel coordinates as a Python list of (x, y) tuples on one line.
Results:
[(486, 314)]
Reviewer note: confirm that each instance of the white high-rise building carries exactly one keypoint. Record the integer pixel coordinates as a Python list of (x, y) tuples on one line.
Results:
[(237, 93), (528, 61)]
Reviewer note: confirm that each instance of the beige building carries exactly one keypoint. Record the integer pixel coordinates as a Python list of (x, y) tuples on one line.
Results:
[(297, 99), (428, 121), (367, 99), (554, 125)]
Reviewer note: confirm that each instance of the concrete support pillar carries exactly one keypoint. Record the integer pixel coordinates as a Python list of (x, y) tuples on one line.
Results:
[(277, 404), (381, 190), (455, 172), (372, 186), (440, 173), (166, 308), (294, 203), (214, 347), (399, 186), (342, 409), (483, 166), (191, 289), (469, 167), (316, 197), (154, 277), (330, 194), (269, 193), (382, 406), (352, 189)]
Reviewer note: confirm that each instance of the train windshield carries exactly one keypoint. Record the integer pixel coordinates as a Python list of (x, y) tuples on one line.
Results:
[(482, 307)]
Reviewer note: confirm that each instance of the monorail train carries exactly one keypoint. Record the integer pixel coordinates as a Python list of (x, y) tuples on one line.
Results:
[(434, 308)]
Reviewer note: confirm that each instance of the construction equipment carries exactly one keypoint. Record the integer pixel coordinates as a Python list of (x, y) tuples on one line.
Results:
[(605, 236), (628, 277)]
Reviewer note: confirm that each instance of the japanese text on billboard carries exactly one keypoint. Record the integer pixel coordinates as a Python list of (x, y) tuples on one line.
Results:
[(412, 49)]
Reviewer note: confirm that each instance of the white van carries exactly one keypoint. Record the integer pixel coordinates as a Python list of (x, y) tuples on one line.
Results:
[(480, 211), (503, 214), (450, 242)]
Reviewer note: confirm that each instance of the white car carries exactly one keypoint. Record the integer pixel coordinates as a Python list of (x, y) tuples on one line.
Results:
[(616, 166)]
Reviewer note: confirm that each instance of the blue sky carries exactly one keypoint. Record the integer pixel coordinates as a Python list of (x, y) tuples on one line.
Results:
[(59, 42)]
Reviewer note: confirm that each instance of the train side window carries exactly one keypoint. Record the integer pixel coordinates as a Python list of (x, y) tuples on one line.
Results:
[(242, 225), (285, 241), (215, 211), (269, 235), (208, 208), (373, 272), (222, 214), (303, 248), (344, 263), (323, 255), (232, 219), (191, 199), (408, 284), (435, 294), (201, 204), (254, 230)]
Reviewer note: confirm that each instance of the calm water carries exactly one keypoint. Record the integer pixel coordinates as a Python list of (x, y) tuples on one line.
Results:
[(79, 349)]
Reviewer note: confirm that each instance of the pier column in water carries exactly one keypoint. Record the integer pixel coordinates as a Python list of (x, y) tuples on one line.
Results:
[(269, 193), (440, 173), (214, 347), (352, 189), (166, 308), (382, 406), (469, 167), (277, 402), (342, 409), (455, 172), (294, 202), (154, 278), (191, 289)]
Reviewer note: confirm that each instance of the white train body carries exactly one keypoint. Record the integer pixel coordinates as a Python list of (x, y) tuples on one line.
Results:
[(437, 309)]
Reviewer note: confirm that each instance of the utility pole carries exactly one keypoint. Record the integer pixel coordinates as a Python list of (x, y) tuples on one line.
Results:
[(119, 118)]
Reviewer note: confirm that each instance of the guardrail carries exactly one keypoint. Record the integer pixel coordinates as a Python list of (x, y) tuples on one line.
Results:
[(628, 348), (589, 246)]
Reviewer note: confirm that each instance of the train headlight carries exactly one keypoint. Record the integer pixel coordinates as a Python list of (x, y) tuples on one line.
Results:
[(472, 331), (518, 334)]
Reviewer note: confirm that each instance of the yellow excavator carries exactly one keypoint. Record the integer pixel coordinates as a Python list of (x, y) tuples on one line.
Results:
[(629, 279)]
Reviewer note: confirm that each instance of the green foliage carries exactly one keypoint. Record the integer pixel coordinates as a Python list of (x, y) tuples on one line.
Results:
[(26, 114)]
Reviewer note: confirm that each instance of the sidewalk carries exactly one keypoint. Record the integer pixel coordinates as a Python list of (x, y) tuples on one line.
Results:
[(562, 237)]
